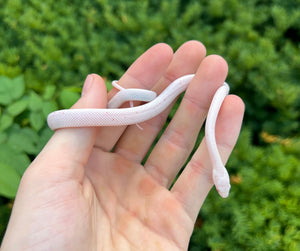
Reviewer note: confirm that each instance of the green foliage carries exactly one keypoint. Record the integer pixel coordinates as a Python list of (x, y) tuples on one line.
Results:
[(260, 40), (48, 48), (9, 181), (23, 129), (262, 211), (11, 89), (5, 209)]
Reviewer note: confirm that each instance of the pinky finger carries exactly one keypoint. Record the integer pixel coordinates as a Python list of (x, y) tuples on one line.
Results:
[(195, 181)]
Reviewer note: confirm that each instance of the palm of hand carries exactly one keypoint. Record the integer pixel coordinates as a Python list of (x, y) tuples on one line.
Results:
[(136, 211), (87, 190), (119, 208)]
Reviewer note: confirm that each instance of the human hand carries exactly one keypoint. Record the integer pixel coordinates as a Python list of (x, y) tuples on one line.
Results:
[(87, 189)]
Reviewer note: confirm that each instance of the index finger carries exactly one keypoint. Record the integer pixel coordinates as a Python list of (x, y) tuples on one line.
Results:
[(143, 73)]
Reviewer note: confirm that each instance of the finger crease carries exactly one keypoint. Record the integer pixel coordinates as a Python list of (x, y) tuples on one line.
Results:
[(138, 84), (157, 122), (200, 169), (178, 139), (157, 173), (195, 102)]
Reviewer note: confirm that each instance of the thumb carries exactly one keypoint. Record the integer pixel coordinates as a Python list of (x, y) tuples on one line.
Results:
[(68, 149)]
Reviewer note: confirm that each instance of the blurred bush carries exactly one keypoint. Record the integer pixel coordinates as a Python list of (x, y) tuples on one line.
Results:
[(48, 47), (262, 211)]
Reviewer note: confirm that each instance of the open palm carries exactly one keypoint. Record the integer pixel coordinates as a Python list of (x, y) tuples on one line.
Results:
[(87, 189)]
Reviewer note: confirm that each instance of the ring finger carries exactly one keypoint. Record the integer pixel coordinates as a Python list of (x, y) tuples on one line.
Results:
[(177, 142)]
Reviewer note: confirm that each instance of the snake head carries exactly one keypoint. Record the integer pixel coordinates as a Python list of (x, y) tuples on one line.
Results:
[(222, 183)]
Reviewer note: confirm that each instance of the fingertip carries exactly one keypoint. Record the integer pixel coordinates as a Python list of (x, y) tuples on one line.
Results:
[(216, 64), (94, 94), (148, 68), (237, 105), (195, 47), (239, 102), (162, 47), (229, 122), (188, 57), (159, 54)]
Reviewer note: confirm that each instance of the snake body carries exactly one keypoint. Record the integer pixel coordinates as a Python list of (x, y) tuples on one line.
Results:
[(113, 116)]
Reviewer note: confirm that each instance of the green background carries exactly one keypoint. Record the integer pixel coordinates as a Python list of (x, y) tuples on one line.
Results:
[(48, 47)]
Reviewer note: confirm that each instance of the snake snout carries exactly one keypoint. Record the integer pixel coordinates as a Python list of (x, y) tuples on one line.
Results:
[(222, 184)]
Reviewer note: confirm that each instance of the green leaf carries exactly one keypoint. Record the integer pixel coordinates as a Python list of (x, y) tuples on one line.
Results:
[(17, 107), (48, 107), (6, 121), (3, 137), (9, 181), (44, 136), (5, 90), (19, 161), (49, 92), (5, 211), (35, 102), (37, 120), (18, 87), (11, 89), (24, 140), (68, 97)]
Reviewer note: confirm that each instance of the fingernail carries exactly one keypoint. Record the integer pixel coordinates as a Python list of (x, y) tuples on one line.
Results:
[(87, 84)]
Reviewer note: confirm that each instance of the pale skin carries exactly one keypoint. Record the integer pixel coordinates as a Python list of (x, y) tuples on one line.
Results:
[(87, 189)]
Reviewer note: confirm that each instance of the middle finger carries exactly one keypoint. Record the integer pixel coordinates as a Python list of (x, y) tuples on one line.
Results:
[(135, 143)]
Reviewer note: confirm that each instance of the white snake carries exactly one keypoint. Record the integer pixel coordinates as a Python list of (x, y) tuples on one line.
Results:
[(134, 115)]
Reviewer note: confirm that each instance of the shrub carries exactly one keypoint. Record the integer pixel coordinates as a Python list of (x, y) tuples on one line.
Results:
[(262, 211), (58, 43), (48, 47)]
